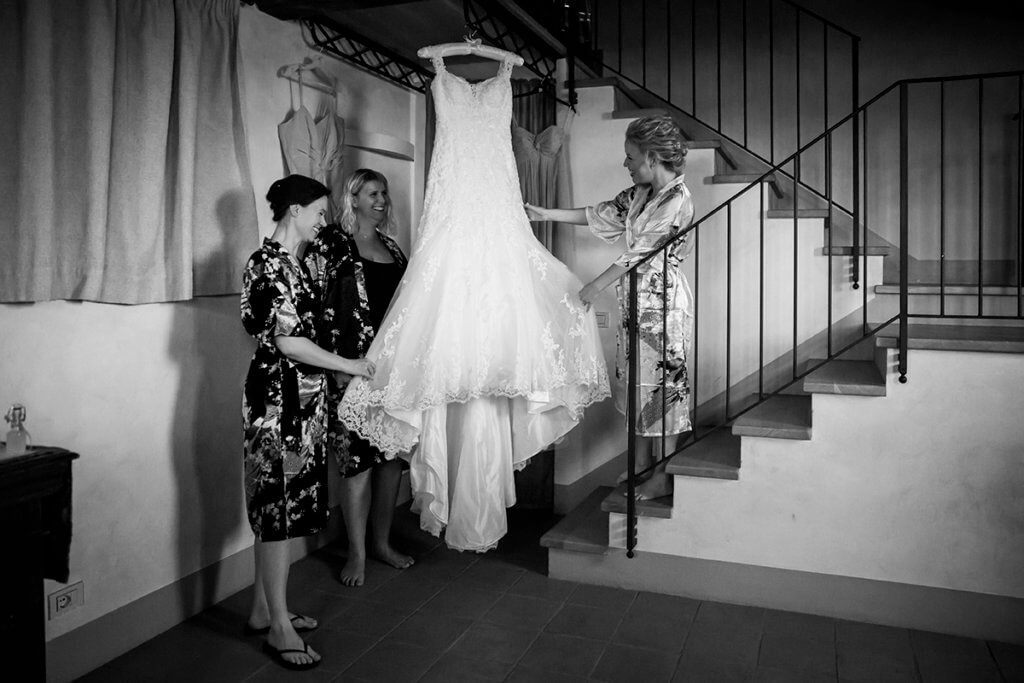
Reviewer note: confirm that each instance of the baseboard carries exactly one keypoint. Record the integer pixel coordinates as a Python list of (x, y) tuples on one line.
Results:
[(92, 645), (962, 613)]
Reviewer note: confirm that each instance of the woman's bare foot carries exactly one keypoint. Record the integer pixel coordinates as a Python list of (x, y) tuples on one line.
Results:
[(285, 638), (353, 573), (388, 555), (658, 485), (260, 622)]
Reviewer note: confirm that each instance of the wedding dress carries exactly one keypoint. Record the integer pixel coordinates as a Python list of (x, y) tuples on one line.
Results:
[(486, 355)]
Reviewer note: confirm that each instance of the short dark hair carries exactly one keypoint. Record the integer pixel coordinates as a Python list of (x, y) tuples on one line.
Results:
[(294, 189)]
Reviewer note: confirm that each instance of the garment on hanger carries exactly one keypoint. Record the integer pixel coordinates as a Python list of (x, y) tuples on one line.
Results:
[(538, 158), (486, 355), (314, 147)]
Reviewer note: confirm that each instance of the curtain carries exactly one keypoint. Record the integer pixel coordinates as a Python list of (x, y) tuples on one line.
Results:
[(123, 155)]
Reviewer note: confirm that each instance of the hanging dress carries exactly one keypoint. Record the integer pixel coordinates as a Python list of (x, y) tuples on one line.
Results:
[(486, 355)]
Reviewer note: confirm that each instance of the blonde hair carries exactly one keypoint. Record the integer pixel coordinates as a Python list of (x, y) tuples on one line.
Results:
[(660, 138), (353, 186)]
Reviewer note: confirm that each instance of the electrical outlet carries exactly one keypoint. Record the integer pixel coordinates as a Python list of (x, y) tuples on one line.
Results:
[(602, 318), (65, 600)]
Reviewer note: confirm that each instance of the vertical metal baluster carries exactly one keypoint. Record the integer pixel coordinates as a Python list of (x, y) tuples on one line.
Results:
[(718, 61), (693, 56), (728, 304), (618, 37), (904, 232), (760, 303), (942, 198), (668, 50), (855, 57), (643, 43), (796, 42), (696, 327), (771, 80), (796, 261), (828, 199), (633, 385), (856, 208), (824, 50), (745, 68), (981, 195), (1020, 191)]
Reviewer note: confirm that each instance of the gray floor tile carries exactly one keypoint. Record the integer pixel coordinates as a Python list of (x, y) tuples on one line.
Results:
[(340, 649), (871, 634), (765, 674), (704, 667), (491, 575), (740, 646), (625, 664), (798, 654), (604, 597), (871, 661), (522, 612), (1010, 660), (491, 641), (537, 586), (562, 655), (731, 617), (644, 630), (585, 622), (462, 601), (436, 631), (407, 592), (372, 619), (796, 625), (522, 674), (946, 659), (393, 661), (452, 668)]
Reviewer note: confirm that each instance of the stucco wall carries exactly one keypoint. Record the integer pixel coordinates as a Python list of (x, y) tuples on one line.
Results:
[(150, 395)]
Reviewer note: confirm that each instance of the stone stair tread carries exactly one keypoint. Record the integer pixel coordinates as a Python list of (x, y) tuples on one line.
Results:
[(584, 529), (716, 456), (639, 113), (745, 178), (847, 377), (997, 338), (780, 417), (964, 290), (616, 502), (848, 250)]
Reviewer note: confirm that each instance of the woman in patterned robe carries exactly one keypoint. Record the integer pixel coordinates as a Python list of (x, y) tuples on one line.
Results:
[(648, 214), (357, 266), (284, 414)]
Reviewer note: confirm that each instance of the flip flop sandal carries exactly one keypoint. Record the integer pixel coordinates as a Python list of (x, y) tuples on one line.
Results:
[(253, 631), (278, 656)]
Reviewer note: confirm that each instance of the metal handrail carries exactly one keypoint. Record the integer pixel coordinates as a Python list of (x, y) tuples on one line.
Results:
[(858, 119)]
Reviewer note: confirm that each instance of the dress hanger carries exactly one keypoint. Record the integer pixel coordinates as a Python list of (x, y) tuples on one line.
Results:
[(469, 46), (300, 73)]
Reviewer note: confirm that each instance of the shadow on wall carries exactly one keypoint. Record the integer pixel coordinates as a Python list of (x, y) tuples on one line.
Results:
[(212, 352)]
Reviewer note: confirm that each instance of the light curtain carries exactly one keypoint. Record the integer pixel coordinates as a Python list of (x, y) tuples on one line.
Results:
[(123, 155)]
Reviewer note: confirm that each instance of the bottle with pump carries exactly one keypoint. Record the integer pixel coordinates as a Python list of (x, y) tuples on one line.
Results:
[(17, 436)]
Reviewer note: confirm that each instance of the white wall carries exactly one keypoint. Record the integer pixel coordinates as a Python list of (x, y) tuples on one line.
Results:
[(922, 486), (150, 396)]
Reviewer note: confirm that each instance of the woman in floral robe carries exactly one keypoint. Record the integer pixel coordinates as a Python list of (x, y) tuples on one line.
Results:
[(284, 416), (358, 266), (655, 209)]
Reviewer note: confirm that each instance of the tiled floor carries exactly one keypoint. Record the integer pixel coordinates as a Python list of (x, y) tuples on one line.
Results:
[(497, 617)]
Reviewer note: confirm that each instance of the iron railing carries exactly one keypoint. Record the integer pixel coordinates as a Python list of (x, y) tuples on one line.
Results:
[(918, 138)]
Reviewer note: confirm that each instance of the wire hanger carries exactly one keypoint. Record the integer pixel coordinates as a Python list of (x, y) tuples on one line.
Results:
[(470, 45), (310, 66)]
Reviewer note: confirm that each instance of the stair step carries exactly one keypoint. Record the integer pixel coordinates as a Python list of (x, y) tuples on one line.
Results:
[(800, 213), (747, 179), (639, 113), (584, 529), (861, 251), (716, 456), (949, 290), (846, 377), (616, 502), (780, 417), (996, 338)]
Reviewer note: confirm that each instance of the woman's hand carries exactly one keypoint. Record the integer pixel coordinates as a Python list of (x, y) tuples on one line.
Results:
[(360, 367), (535, 213), (589, 294)]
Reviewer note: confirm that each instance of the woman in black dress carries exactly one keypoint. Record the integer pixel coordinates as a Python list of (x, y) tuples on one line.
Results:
[(284, 410), (358, 267)]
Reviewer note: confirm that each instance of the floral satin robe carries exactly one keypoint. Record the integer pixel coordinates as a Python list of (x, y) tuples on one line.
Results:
[(345, 329), (284, 412), (664, 305)]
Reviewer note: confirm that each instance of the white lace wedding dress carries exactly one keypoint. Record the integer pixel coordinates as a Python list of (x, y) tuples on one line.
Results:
[(486, 355)]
